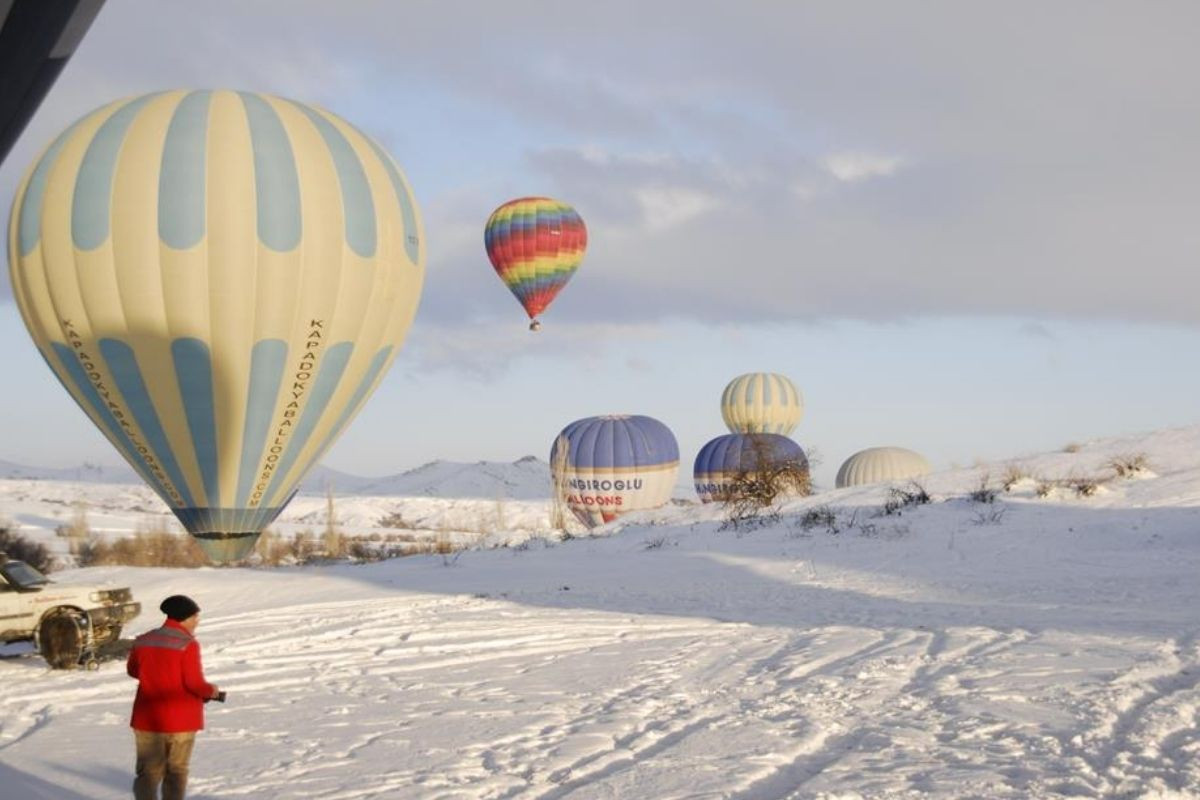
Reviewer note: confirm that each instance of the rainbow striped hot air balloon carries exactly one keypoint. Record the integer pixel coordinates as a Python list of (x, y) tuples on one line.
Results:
[(220, 279), (608, 466), (535, 245)]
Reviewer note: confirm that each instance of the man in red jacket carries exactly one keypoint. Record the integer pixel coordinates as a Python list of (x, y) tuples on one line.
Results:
[(169, 707)]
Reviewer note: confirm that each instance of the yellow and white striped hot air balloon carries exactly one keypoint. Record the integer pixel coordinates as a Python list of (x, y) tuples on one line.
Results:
[(220, 279), (761, 402)]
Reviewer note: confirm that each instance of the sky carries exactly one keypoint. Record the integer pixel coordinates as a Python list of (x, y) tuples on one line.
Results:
[(969, 229)]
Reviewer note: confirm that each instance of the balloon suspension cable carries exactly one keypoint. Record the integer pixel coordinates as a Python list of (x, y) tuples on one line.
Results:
[(535, 326)]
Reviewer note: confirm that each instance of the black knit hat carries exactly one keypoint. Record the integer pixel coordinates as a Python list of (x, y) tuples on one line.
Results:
[(179, 607)]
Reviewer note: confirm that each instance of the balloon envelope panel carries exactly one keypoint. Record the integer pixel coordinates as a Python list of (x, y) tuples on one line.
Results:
[(219, 279), (724, 459), (879, 464), (535, 245), (761, 402), (610, 465)]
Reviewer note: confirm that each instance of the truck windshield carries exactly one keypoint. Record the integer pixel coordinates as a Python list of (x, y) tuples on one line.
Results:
[(21, 574)]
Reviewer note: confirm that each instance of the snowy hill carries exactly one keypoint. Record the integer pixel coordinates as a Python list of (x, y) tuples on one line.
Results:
[(1036, 642), (84, 473), (527, 478)]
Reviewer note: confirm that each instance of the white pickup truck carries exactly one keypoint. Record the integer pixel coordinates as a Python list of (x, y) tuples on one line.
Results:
[(67, 623)]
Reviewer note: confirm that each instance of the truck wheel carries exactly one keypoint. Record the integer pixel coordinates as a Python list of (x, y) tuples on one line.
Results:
[(61, 638)]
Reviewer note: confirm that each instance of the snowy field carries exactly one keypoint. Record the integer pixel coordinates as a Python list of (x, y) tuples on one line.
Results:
[(1044, 645)]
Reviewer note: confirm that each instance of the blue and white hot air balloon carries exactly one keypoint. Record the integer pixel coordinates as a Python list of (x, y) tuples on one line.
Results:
[(607, 466), (220, 279), (726, 458)]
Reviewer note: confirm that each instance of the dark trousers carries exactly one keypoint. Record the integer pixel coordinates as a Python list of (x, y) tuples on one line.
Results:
[(162, 758)]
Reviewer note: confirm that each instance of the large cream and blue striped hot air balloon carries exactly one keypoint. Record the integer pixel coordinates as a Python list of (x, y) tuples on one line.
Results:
[(220, 279), (761, 402), (604, 467)]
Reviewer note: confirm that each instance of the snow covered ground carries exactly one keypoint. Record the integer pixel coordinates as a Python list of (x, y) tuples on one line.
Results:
[(1044, 645)]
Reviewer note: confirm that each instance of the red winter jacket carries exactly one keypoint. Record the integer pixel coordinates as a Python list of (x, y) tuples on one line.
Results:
[(171, 686)]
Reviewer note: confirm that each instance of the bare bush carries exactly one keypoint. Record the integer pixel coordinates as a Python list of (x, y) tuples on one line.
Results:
[(332, 540), (558, 473), (1129, 464), (395, 520), (77, 531), (902, 498), (35, 554), (983, 493), (1081, 486), (500, 522), (752, 496), (1013, 474), (1072, 447), (819, 517), (152, 546), (273, 550), (990, 516), (656, 543)]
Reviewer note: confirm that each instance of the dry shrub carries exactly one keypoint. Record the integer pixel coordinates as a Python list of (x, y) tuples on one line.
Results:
[(820, 517), (900, 499), (273, 550), (1085, 487), (394, 520), (752, 497), (1013, 474), (35, 554), (153, 546), (1072, 447), (991, 516), (1082, 486), (984, 492), (332, 539), (558, 473), (1129, 464), (77, 531)]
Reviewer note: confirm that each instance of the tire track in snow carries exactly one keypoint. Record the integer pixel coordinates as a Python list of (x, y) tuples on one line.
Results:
[(1148, 714)]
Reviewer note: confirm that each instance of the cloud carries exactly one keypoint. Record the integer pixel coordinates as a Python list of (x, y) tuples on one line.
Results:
[(485, 352), (792, 161), (855, 167)]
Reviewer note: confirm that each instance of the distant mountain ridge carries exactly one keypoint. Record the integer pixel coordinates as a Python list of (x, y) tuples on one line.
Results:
[(86, 472), (526, 478)]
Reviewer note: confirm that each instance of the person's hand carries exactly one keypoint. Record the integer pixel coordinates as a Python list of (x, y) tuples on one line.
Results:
[(216, 692)]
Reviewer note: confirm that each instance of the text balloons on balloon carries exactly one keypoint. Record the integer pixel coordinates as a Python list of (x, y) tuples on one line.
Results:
[(607, 466)]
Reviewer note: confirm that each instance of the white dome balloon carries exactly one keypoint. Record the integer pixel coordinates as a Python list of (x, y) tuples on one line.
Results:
[(880, 464)]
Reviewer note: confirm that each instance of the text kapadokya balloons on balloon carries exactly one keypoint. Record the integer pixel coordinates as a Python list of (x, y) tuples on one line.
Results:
[(535, 245), (761, 402), (607, 466), (220, 279), (725, 460)]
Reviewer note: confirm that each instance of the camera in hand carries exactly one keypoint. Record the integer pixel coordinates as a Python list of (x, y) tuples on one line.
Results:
[(220, 698)]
